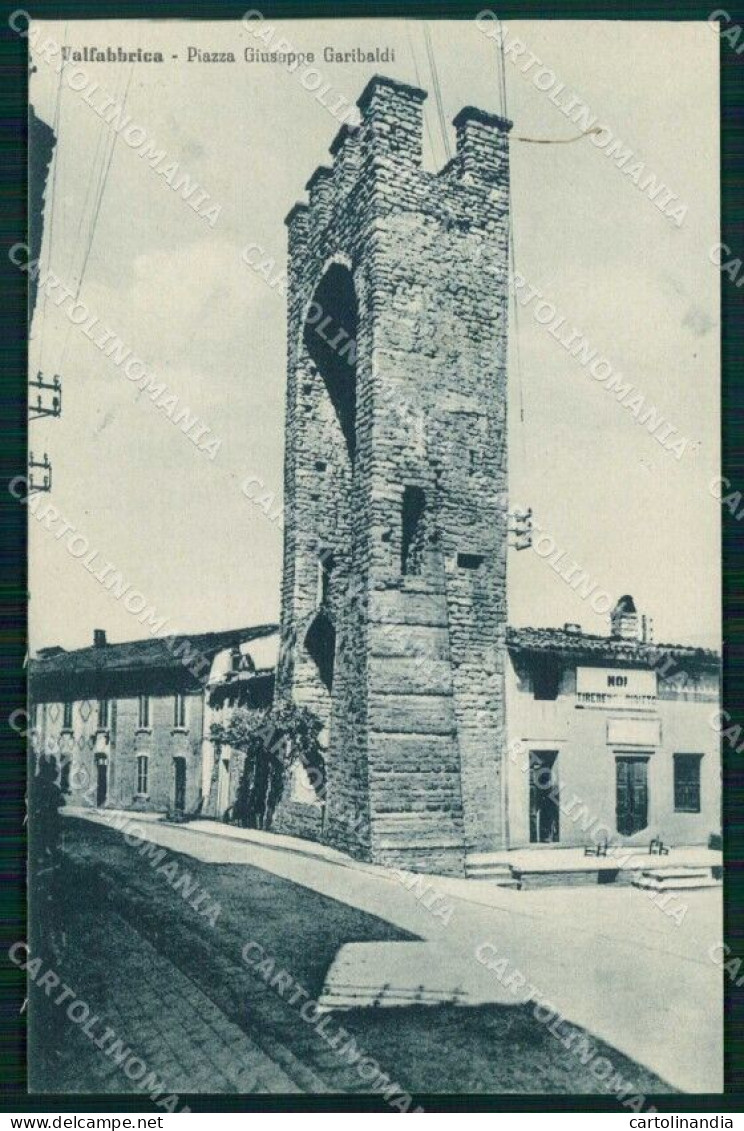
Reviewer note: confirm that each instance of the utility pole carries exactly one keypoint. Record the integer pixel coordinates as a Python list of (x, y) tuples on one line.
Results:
[(48, 403), (521, 528), (40, 387), (45, 394), (39, 465)]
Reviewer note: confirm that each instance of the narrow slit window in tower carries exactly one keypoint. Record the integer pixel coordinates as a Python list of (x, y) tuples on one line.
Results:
[(413, 530)]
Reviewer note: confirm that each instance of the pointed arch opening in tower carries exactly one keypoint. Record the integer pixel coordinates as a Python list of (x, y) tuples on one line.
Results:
[(320, 642), (330, 336)]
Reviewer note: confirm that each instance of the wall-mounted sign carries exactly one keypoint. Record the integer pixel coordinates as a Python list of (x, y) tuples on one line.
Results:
[(616, 687), (634, 732)]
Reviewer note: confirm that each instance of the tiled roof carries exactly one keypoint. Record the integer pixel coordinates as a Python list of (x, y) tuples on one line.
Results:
[(582, 644), (155, 653), (169, 653)]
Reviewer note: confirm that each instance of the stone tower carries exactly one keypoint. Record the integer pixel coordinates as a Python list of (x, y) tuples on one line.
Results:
[(393, 597)]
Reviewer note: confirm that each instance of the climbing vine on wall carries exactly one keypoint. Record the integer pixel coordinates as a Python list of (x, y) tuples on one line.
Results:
[(272, 740)]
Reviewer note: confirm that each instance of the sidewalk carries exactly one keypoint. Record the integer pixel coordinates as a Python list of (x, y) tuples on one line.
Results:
[(608, 958), (624, 859), (161, 1017)]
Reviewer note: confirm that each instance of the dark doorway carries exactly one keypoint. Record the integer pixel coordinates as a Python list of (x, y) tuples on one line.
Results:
[(179, 799), (544, 797), (101, 784), (632, 795)]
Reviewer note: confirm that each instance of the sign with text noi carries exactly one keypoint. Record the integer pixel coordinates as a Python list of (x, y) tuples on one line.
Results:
[(616, 687)]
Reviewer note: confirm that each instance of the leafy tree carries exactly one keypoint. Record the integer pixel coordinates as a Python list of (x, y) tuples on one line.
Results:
[(272, 740)]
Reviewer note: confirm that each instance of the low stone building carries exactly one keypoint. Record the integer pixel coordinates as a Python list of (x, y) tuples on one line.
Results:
[(126, 722)]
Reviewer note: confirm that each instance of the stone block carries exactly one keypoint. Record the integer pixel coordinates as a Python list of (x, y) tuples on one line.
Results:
[(411, 714), (406, 677)]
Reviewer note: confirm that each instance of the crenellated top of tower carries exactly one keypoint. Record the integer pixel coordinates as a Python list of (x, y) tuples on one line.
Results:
[(391, 130)]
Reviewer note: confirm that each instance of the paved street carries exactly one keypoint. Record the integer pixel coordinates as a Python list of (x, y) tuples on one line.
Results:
[(161, 1014), (580, 946), (173, 984)]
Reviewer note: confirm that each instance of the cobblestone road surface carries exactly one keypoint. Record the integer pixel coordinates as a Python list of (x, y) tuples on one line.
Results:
[(160, 1014)]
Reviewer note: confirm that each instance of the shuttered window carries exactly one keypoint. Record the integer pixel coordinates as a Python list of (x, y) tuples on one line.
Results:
[(143, 763), (179, 711), (144, 712), (687, 783)]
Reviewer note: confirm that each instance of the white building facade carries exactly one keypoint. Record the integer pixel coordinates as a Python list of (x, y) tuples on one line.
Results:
[(610, 738)]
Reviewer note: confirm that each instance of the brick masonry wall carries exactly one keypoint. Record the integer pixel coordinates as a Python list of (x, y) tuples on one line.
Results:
[(416, 711)]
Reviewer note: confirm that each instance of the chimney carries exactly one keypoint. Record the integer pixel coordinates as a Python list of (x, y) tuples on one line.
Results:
[(99, 637), (624, 620)]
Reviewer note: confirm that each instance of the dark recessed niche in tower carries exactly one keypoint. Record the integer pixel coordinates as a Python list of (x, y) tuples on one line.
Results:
[(413, 530), (326, 565), (330, 336), (320, 642), (470, 561)]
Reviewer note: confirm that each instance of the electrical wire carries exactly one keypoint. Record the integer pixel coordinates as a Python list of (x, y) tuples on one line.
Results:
[(97, 209), (560, 140), (53, 201), (501, 71), (92, 188), (427, 123), (98, 201), (437, 91)]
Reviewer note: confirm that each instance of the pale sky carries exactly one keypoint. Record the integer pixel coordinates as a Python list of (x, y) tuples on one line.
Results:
[(175, 290)]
